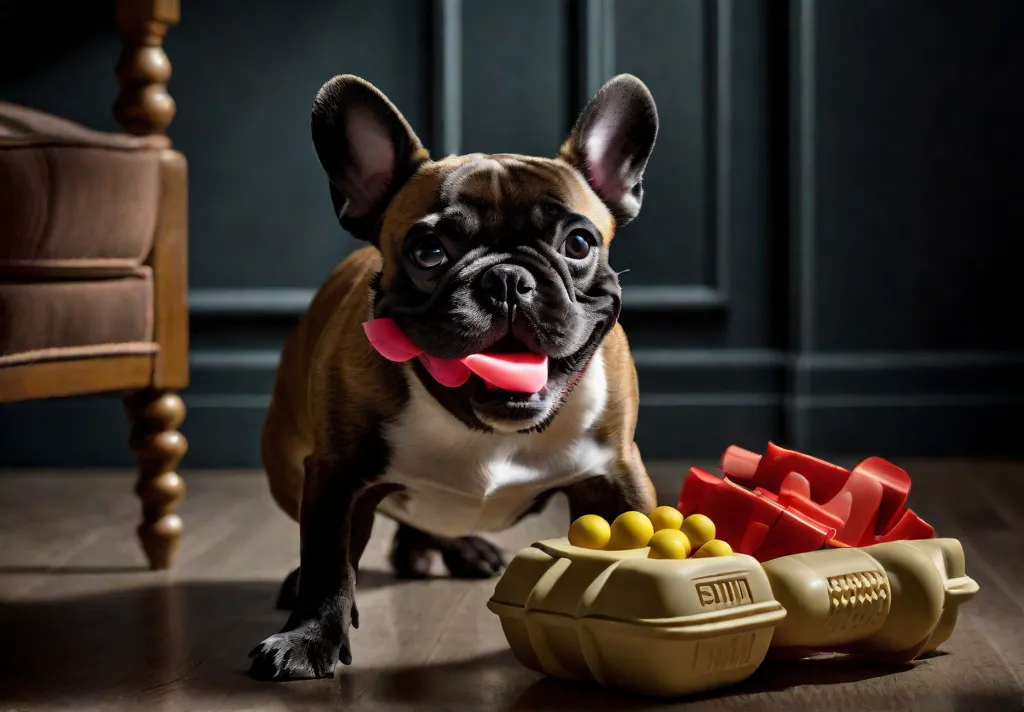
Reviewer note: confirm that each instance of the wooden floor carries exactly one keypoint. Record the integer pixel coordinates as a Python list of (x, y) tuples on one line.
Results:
[(83, 626)]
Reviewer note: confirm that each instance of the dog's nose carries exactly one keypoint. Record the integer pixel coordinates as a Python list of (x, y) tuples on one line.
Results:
[(508, 283)]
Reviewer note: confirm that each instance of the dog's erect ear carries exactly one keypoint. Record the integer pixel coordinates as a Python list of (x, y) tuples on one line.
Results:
[(367, 149), (611, 142)]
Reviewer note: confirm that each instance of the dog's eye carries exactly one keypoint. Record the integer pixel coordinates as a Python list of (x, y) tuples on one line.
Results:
[(428, 253), (578, 244)]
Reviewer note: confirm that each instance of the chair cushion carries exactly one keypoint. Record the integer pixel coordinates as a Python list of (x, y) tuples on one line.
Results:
[(73, 202), (41, 321)]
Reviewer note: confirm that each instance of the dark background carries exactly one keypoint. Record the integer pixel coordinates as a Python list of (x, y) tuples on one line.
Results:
[(829, 254)]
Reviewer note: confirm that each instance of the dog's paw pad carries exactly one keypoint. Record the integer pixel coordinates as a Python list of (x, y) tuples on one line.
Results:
[(299, 654), (472, 557)]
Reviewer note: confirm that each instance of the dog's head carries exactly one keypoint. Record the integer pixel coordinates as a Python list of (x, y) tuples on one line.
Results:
[(490, 253)]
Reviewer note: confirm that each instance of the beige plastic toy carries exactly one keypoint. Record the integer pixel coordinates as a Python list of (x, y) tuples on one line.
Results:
[(668, 627)]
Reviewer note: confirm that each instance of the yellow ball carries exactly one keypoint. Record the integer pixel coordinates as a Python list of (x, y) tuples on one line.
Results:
[(715, 547), (631, 530), (669, 544), (698, 529), (666, 518), (590, 532)]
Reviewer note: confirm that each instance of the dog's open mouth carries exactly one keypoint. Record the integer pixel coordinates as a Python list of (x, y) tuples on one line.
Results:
[(508, 370), (508, 345), (509, 353)]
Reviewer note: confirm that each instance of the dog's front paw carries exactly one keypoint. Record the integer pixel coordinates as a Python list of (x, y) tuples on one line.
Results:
[(302, 653), (472, 557)]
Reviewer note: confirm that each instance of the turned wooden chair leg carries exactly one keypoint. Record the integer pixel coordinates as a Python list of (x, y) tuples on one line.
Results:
[(158, 446)]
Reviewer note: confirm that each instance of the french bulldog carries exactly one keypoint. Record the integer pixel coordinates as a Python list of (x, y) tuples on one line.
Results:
[(477, 264)]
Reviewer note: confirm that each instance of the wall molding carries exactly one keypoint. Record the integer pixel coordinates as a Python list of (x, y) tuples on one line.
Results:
[(643, 357), (293, 301), (447, 66), (723, 358), (719, 95), (802, 114), (802, 162), (597, 48), (253, 301), (863, 360), (597, 65)]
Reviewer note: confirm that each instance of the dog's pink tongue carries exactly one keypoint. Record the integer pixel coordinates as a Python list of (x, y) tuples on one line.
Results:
[(519, 372), (449, 372)]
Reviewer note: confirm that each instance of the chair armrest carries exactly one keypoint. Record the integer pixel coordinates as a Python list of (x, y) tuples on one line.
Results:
[(144, 107)]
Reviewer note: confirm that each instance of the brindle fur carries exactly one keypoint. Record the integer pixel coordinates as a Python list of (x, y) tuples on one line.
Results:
[(322, 444)]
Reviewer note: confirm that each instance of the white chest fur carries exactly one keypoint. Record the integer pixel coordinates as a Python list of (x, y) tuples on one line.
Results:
[(458, 481)]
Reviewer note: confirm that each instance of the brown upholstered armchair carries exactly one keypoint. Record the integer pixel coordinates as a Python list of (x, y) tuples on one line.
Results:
[(93, 264)]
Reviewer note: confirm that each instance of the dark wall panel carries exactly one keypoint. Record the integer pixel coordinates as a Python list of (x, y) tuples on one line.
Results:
[(827, 252), (908, 185), (919, 172), (516, 81), (675, 244), (260, 212), (698, 297)]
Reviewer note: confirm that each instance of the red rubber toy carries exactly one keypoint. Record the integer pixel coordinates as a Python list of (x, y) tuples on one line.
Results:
[(785, 502)]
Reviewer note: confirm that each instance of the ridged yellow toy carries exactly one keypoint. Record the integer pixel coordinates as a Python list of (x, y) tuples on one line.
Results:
[(669, 544), (666, 518), (590, 532), (630, 530), (698, 529), (715, 547)]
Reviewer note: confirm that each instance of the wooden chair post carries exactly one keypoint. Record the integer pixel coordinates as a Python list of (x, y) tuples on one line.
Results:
[(144, 107)]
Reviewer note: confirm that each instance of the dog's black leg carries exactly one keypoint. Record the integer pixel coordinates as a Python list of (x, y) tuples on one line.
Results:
[(289, 592), (337, 513), (411, 553), (363, 516), (315, 637), (464, 557)]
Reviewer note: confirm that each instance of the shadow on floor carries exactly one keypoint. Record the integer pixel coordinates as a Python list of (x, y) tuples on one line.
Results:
[(136, 646), (138, 638)]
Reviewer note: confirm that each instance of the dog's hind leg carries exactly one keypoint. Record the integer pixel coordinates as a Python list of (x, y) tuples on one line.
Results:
[(289, 591), (464, 557), (284, 444)]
